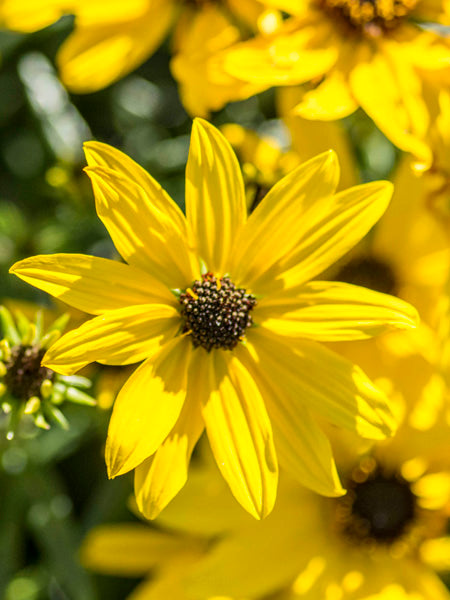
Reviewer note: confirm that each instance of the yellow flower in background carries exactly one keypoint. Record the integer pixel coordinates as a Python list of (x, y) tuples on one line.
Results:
[(113, 38), (354, 53), (384, 540), (221, 309)]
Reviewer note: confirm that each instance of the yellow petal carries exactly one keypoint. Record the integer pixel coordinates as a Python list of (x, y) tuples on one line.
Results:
[(119, 337), (161, 477), (325, 382), (293, 55), (302, 448), (309, 138), (31, 15), (145, 236), (91, 284), (433, 490), (99, 53), (333, 229), (104, 155), (240, 435), (331, 311), (279, 222), (128, 549), (436, 553), (215, 198), (330, 100), (389, 90), (147, 407)]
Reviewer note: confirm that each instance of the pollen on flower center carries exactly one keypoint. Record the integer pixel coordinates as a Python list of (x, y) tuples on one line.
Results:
[(216, 313), (371, 17), (24, 373), (379, 507)]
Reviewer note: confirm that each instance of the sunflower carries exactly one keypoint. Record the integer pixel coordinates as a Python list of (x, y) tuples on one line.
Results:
[(220, 309), (384, 540), (111, 39), (354, 53)]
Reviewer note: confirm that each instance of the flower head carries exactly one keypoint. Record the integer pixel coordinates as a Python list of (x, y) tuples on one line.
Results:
[(28, 388), (350, 54), (220, 308)]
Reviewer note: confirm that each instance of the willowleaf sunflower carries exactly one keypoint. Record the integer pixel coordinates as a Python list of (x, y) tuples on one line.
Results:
[(221, 310), (354, 53)]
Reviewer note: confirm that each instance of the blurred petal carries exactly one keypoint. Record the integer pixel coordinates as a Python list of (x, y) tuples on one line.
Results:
[(91, 284), (127, 549), (99, 53), (240, 435), (144, 235), (330, 311), (161, 477), (436, 553), (119, 337), (148, 407), (215, 198), (325, 382), (278, 223), (389, 90)]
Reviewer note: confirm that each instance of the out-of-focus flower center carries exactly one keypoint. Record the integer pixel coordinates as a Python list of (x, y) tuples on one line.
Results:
[(370, 17), (371, 273), (24, 373), (216, 314), (379, 507)]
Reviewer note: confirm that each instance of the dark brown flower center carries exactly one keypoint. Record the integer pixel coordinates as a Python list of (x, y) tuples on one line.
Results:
[(216, 313), (370, 17), (371, 273), (24, 373), (378, 506)]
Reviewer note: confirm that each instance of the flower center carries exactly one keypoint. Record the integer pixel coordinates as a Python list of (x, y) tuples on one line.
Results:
[(371, 17), (24, 373), (216, 313), (371, 273), (378, 506)]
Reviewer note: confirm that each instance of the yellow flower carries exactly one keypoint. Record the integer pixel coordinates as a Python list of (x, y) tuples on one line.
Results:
[(382, 541), (113, 38), (354, 54), (221, 309)]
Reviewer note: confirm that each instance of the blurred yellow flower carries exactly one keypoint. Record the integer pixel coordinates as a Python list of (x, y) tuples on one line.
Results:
[(186, 302), (113, 38), (354, 53), (383, 540)]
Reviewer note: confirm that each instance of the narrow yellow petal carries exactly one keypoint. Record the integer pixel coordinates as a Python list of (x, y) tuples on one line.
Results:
[(147, 407), (268, 234), (160, 478), (143, 234), (240, 435), (325, 382), (215, 198), (127, 549), (333, 230), (104, 155), (119, 337), (331, 311), (91, 284), (302, 448)]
